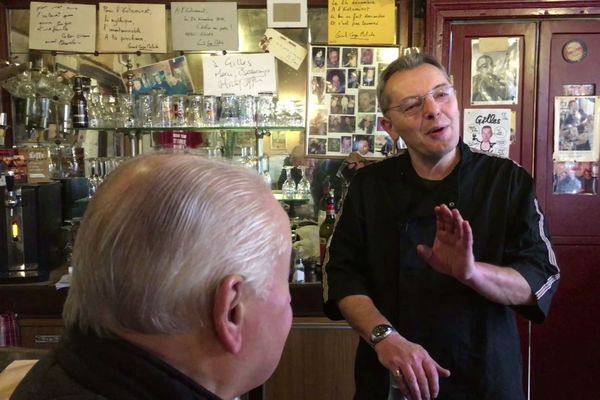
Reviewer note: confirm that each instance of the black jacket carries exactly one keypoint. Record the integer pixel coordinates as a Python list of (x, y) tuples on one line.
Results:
[(387, 212), (87, 367)]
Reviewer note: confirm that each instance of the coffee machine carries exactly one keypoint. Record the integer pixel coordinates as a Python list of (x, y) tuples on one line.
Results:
[(30, 233)]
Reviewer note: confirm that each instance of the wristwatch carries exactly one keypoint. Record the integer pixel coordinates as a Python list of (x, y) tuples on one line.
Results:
[(380, 332)]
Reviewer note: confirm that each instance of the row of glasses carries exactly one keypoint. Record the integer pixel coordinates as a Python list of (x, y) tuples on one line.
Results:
[(291, 190), (99, 168)]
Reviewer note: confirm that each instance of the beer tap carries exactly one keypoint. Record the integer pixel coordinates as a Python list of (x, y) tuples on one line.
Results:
[(13, 203)]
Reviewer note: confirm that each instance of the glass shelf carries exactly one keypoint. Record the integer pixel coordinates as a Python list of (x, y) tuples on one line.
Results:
[(196, 128)]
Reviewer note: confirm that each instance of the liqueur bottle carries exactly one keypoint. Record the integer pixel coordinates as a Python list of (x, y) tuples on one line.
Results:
[(79, 105)]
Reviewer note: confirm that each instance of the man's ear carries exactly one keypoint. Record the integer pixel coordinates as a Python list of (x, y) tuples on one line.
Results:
[(228, 312), (386, 124)]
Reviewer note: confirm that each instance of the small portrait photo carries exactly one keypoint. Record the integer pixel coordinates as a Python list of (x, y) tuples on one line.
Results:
[(317, 146), (318, 124), (336, 81), (363, 144), (579, 90), (348, 124), (368, 76), (346, 145), (366, 123), (383, 144), (333, 57), (353, 78), (335, 123), (317, 89), (366, 100), (576, 177), (333, 144), (318, 57), (366, 56), (341, 104), (350, 57)]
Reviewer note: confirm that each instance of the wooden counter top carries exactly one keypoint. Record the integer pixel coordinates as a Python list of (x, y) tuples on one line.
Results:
[(43, 300)]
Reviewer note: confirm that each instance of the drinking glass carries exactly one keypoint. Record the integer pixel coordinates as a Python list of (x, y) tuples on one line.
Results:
[(265, 108), (194, 110), (178, 109), (229, 110), (303, 187), (288, 189), (145, 110), (209, 110)]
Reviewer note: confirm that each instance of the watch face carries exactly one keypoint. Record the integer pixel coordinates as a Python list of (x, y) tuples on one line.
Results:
[(574, 51), (380, 332)]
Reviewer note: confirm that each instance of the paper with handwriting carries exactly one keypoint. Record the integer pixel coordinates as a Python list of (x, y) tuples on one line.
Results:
[(124, 27), (284, 48), (62, 26), (239, 74), (361, 22), (204, 26)]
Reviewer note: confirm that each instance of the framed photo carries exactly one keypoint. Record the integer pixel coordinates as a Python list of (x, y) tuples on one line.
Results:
[(495, 70), (576, 128), (343, 112), (278, 141)]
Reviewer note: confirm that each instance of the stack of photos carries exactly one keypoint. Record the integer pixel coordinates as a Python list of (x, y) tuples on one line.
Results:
[(343, 111)]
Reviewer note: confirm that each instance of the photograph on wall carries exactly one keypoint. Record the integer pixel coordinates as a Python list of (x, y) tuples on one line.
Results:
[(576, 128), (343, 114), (495, 65), (575, 178), (170, 76), (579, 90), (488, 130)]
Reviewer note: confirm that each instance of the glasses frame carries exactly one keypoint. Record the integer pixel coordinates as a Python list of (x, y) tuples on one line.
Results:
[(448, 89)]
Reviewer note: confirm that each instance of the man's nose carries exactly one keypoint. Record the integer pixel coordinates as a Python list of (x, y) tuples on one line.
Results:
[(430, 108)]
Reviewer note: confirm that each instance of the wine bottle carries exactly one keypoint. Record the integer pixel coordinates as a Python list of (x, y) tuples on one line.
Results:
[(326, 228)]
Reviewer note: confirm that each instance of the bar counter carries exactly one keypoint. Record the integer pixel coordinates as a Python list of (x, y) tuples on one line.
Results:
[(43, 300)]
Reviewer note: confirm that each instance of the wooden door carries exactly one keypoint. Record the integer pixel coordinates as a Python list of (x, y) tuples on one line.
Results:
[(566, 347), (460, 69)]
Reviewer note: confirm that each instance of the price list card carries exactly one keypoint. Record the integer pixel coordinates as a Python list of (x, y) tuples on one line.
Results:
[(126, 28)]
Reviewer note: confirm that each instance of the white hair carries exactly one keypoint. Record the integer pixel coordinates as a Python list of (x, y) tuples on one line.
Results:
[(158, 238)]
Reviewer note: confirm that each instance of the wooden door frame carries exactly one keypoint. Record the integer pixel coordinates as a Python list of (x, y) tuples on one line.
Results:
[(442, 13)]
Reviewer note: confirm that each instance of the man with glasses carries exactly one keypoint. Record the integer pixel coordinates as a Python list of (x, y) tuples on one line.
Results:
[(435, 251)]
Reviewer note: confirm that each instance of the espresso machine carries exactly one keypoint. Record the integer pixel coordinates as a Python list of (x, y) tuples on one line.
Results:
[(30, 234)]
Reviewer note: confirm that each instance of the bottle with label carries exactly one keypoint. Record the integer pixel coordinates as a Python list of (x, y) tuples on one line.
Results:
[(326, 228), (79, 105)]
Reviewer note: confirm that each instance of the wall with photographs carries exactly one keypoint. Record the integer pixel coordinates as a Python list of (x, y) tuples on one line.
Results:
[(343, 112)]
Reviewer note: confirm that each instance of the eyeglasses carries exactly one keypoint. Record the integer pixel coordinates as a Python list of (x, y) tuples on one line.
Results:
[(411, 106)]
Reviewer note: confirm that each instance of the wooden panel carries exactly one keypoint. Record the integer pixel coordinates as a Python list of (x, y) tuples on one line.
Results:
[(565, 348), (317, 362), (40, 333), (567, 214)]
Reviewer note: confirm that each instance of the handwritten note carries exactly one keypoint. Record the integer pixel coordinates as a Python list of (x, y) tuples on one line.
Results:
[(361, 22), (62, 26), (126, 27), (204, 26), (239, 74), (284, 48)]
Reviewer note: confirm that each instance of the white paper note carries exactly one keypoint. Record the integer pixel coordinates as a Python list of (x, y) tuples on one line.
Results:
[(124, 27), (284, 48), (239, 74), (62, 26), (204, 26)]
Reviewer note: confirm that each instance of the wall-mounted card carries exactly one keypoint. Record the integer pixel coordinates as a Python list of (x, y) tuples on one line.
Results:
[(287, 14), (239, 74), (204, 26), (283, 48), (124, 27), (62, 26)]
